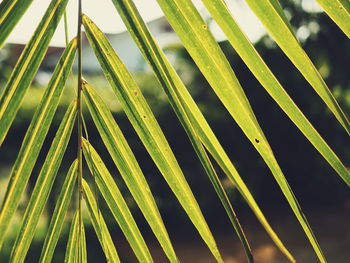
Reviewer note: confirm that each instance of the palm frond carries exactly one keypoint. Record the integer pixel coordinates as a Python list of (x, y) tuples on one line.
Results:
[(59, 213), (146, 126), (100, 226), (43, 186), (11, 12), (206, 53), (35, 137), (339, 11), (270, 14), (116, 203), (127, 164), (27, 66), (261, 71)]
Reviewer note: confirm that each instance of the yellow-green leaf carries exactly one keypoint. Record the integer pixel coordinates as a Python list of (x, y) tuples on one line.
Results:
[(339, 11), (116, 203), (127, 164), (201, 45), (11, 12), (100, 226), (59, 213), (43, 187), (269, 13), (27, 65), (175, 90), (260, 70), (153, 55), (35, 137), (147, 128), (72, 244)]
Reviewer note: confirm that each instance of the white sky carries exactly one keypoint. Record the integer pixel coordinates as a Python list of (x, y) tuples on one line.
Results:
[(106, 17)]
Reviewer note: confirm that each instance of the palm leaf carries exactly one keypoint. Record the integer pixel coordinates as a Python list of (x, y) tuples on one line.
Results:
[(43, 187), (270, 14), (152, 53), (27, 65), (205, 51), (11, 12), (175, 90), (59, 213), (339, 11), (100, 226), (126, 162), (35, 137), (260, 70), (147, 128), (72, 244), (116, 203)]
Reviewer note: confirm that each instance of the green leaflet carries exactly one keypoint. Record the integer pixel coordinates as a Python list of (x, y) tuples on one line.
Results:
[(11, 12), (72, 245), (147, 128), (339, 11), (174, 88), (43, 187), (127, 164), (260, 70), (270, 14), (75, 243), (190, 27), (59, 213), (27, 65), (154, 56), (116, 203), (100, 226), (35, 137)]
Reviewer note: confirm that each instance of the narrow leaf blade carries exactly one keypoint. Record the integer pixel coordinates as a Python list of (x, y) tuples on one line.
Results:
[(72, 245), (339, 11), (146, 126), (59, 213), (261, 71), (100, 226), (11, 12), (43, 187), (275, 23), (116, 203), (27, 66), (201, 45), (35, 137), (127, 164), (174, 87)]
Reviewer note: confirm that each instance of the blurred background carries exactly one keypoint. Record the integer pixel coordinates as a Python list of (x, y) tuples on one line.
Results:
[(322, 194)]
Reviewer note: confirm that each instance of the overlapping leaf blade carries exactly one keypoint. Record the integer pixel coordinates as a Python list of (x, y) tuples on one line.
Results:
[(59, 213), (153, 55), (43, 187), (270, 14), (146, 126), (27, 65), (175, 89), (72, 244), (201, 45), (260, 70), (11, 12), (116, 203), (100, 226), (339, 11), (35, 137), (127, 164)]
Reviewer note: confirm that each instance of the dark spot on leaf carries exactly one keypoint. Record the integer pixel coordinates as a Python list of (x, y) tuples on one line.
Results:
[(135, 93), (256, 140), (205, 26)]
